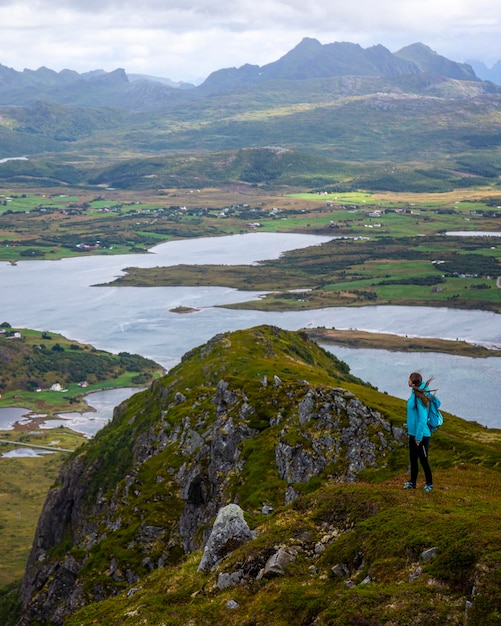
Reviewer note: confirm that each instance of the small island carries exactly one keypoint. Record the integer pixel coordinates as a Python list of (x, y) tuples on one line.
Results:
[(183, 309), (397, 343)]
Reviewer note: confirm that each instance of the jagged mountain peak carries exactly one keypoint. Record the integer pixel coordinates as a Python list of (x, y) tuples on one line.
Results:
[(310, 59)]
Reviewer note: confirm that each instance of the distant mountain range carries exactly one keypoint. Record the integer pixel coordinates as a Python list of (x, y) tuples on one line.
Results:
[(485, 73), (309, 60), (317, 103)]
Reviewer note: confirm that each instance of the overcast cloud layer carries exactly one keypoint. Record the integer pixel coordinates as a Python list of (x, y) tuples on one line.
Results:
[(187, 40)]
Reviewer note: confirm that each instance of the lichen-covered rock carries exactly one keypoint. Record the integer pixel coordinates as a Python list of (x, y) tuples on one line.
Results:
[(335, 429), (230, 530)]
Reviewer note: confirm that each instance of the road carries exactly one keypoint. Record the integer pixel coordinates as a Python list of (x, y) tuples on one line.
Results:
[(33, 445)]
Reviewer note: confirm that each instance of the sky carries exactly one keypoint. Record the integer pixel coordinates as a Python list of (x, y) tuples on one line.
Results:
[(186, 40)]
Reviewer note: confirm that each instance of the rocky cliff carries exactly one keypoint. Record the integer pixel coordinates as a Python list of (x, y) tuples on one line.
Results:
[(252, 418)]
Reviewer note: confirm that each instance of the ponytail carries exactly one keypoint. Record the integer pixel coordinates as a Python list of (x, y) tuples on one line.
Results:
[(416, 380)]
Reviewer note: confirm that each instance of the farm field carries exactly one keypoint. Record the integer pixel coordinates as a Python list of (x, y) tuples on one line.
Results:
[(388, 248)]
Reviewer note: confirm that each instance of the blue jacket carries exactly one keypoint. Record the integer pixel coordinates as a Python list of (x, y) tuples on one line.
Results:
[(417, 416)]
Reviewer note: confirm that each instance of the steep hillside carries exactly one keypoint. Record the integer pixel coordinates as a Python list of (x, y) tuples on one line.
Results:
[(265, 419)]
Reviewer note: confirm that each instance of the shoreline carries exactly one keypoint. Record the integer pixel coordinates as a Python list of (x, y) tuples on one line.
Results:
[(398, 343)]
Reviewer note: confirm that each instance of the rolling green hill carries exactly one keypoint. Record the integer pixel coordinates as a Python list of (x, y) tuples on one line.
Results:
[(34, 361)]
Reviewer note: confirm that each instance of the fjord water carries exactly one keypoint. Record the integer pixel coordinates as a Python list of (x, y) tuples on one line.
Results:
[(59, 296)]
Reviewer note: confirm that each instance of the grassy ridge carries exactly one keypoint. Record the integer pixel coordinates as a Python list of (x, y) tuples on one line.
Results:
[(371, 528)]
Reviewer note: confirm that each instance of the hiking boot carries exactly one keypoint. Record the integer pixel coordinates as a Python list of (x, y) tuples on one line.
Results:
[(428, 487), (409, 485)]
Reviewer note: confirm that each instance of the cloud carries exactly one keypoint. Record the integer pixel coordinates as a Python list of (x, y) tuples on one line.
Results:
[(187, 41)]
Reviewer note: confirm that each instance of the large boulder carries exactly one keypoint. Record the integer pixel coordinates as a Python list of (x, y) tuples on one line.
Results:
[(230, 530)]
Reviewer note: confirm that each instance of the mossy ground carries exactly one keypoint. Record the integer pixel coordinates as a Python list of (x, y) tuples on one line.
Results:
[(377, 531)]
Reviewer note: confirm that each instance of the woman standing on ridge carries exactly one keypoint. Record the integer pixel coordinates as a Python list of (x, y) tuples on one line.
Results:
[(418, 431)]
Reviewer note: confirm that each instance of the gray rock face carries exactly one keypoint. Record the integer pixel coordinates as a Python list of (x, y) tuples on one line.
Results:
[(225, 580), (230, 530), (336, 429)]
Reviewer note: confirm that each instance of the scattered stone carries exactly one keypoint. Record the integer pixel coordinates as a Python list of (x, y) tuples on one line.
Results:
[(225, 580), (429, 555), (267, 509), (339, 570), (416, 574), (276, 564), (366, 580), (231, 604), (132, 591)]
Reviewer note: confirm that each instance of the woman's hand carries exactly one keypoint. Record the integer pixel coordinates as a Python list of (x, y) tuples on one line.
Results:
[(417, 443)]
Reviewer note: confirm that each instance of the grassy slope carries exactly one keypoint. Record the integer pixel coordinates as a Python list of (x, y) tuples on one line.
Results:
[(24, 483), (374, 530)]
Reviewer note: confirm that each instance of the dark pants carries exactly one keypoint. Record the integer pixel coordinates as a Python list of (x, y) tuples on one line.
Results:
[(419, 453)]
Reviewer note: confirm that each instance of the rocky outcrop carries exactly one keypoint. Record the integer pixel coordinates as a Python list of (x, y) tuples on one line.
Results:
[(205, 438)]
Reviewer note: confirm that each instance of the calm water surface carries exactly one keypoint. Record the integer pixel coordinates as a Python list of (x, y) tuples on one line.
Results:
[(59, 296)]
